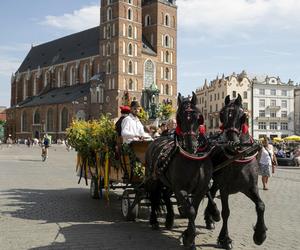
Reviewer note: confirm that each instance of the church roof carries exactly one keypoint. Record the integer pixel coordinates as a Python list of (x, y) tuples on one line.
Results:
[(57, 96), (79, 45), (69, 48)]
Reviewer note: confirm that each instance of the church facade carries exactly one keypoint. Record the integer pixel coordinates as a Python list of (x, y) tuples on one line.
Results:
[(93, 72)]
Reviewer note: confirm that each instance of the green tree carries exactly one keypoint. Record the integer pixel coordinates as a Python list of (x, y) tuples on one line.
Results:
[(165, 111)]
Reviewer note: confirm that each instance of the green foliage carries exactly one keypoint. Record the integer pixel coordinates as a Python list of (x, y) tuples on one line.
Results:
[(143, 116), (166, 111)]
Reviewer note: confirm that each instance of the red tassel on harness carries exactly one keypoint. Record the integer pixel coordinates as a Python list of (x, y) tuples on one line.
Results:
[(222, 127), (178, 130), (245, 129), (202, 130)]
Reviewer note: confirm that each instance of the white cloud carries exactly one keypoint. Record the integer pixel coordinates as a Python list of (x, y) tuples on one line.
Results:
[(84, 18), (8, 65), (222, 16)]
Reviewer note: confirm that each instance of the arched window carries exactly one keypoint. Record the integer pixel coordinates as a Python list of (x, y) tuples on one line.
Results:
[(148, 73), (130, 85), (108, 67), (64, 119), (108, 49), (108, 32), (147, 20), (24, 122), (130, 67), (58, 78), (85, 73), (130, 1), (130, 49), (109, 14), (130, 31), (167, 20), (34, 85), (37, 117), (167, 57), (24, 88), (167, 89), (50, 120), (109, 2), (167, 41), (129, 14), (167, 73), (72, 76), (45, 79)]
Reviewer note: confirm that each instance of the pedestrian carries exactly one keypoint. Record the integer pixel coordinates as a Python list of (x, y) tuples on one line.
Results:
[(28, 142), (265, 164), (297, 156)]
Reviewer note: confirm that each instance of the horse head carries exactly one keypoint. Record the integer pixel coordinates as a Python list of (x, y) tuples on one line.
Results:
[(189, 118), (233, 118)]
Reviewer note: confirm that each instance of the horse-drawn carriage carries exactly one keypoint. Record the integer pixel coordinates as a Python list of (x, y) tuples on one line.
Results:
[(182, 172)]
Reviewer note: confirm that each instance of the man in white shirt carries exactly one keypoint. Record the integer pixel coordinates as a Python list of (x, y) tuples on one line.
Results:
[(132, 128)]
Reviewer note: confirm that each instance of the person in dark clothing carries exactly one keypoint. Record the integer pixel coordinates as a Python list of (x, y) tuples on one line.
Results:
[(125, 110)]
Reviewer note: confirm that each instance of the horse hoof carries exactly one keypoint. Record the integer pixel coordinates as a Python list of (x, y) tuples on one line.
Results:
[(259, 238), (225, 244), (210, 226), (155, 226)]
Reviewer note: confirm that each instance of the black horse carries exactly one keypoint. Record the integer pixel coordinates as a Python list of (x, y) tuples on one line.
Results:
[(239, 176), (179, 170)]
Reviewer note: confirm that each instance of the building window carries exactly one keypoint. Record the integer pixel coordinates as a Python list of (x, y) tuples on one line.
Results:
[(262, 125), (167, 20), (273, 91), (45, 79), (167, 41), (50, 120), (149, 73), (284, 92), (284, 103), (108, 49), (58, 78), (109, 14), (167, 91), (262, 113), (130, 31), (273, 114), (129, 14), (130, 1), (261, 91), (72, 76), (34, 85), (245, 95), (284, 126), (24, 122), (130, 67), (245, 105), (109, 2), (273, 125), (147, 20), (64, 119), (36, 117), (273, 103), (130, 53), (262, 103), (24, 89), (108, 32), (130, 85), (85, 73), (108, 67), (283, 114), (167, 59), (167, 73)]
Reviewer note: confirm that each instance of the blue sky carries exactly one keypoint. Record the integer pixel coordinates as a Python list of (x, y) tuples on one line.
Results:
[(214, 36)]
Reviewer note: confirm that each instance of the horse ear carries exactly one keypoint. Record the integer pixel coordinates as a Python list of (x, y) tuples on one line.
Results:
[(179, 99), (194, 99), (227, 100), (238, 100)]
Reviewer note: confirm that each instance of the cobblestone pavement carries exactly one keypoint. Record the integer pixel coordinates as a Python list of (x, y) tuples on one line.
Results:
[(43, 207)]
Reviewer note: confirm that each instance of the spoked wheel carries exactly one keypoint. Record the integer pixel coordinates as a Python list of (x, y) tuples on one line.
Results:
[(129, 213), (94, 188)]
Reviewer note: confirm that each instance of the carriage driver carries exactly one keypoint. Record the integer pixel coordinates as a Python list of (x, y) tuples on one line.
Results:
[(132, 128)]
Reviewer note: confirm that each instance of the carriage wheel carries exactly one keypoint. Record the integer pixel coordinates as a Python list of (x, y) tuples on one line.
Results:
[(129, 214), (94, 188)]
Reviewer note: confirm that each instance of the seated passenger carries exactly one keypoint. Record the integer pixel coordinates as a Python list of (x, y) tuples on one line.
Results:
[(125, 110), (132, 128)]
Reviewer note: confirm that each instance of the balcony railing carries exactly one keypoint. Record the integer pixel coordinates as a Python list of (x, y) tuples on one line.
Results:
[(273, 107), (273, 119)]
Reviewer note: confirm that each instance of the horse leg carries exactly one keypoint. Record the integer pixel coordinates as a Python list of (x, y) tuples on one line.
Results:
[(170, 212), (260, 228), (224, 240), (155, 197), (211, 213), (188, 236)]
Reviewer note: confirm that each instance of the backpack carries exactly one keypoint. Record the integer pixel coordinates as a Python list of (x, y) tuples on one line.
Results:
[(46, 141)]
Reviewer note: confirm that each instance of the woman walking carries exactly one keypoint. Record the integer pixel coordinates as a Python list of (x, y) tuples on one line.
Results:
[(265, 164)]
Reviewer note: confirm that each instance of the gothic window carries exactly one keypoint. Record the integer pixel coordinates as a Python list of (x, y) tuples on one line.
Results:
[(167, 57), (130, 85), (149, 73), (167, 73), (130, 1), (147, 20), (129, 14), (34, 85), (37, 117), (167, 89), (24, 121), (108, 49), (64, 119), (167, 41), (130, 67), (108, 67), (108, 32), (109, 14), (24, 89), (167, 20), (109, 2), (130, 31), (58, 78), (72, 75), (85, 73), (45, 79), (50, 119), (130, 49)]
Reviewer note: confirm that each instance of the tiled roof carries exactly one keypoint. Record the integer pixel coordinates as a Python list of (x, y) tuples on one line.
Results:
[(57, 96)]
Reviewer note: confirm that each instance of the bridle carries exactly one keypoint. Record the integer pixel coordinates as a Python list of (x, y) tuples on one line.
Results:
[(225, 128)]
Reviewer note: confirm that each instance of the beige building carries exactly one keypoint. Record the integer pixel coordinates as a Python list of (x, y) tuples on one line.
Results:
[(297, 110), (211, 96)]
